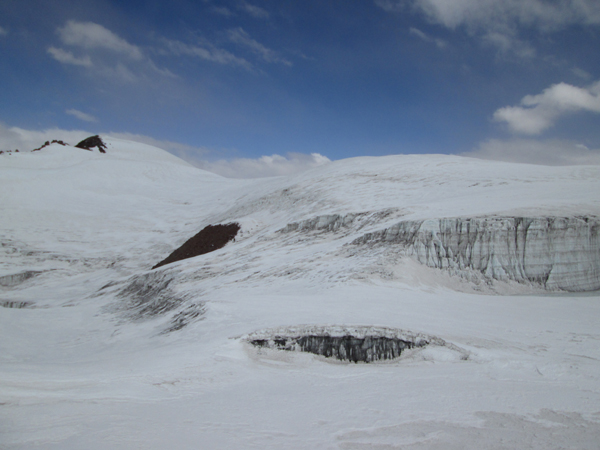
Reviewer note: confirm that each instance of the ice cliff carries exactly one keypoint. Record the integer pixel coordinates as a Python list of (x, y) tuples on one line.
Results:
[(555, 252)]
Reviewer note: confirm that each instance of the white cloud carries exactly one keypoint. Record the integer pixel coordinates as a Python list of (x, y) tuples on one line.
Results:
[(221, 10), (207, 52), (90, 35), (545, 152), (497, 21), (581, 73), (241, 37), (265, 166), (3, 31), (81, 115), (425, 37), (507, 42), (392, 5), (253, 10), (124, 63), (67, 57), (542, 14), (539, 112), (120, 73)]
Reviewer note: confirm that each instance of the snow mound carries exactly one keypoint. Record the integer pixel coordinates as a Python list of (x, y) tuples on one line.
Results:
[(97, 351)]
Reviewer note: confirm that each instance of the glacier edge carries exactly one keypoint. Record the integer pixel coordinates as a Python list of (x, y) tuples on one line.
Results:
[(559, 253)]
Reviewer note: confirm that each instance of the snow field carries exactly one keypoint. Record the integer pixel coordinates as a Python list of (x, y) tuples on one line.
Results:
[(78, 370)]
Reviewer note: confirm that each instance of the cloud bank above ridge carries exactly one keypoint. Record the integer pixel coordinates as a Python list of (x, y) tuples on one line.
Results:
[(12, 138), (549, 152)]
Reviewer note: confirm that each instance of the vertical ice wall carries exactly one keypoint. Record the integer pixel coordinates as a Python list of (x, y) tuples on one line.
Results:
[(556, 252)]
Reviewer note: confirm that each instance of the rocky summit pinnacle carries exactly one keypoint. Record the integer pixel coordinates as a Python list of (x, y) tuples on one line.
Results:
[(91, 142)]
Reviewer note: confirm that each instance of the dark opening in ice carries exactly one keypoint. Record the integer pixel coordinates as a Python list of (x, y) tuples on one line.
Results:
[(353, 344), (344, 348)]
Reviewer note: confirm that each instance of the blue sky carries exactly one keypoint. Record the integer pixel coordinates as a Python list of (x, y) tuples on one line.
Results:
[(229, 84)]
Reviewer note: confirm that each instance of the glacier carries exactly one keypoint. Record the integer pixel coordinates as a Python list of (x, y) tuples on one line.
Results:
[(559, 253), (494, 265)]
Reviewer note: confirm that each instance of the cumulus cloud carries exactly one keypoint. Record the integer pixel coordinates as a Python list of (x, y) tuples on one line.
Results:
[(551, 152), (255, 11), (425, 37), (67, 57), (539, 112), (3, 31), (206, 51), (497, 21), (81, 115), (241, 37), (113, 57), (89, 35), (265, 166)]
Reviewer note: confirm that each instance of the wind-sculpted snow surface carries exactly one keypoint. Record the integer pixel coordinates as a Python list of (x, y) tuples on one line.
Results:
[(556, 252), (15, 304), (151, 296), (97, 351), (148, 295), (330, 222), (335, 222), (17, 278)]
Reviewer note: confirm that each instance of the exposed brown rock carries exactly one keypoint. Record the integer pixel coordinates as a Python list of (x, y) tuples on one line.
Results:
[(91, 142), (46, 144), (211, 238)]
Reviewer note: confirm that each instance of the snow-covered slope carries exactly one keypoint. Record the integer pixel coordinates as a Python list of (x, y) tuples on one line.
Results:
[(99, 351)]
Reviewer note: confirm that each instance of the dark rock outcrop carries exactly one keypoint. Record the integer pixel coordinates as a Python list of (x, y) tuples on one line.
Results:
[(46, 144), (92, 142), (211, 238)]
